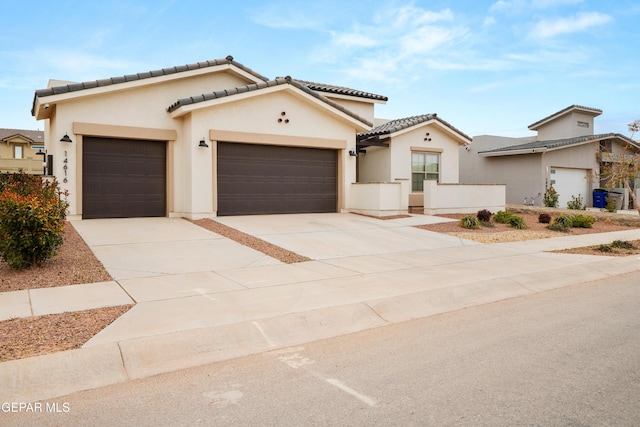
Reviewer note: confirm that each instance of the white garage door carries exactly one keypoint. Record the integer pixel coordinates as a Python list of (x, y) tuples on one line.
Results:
[(570, 182)]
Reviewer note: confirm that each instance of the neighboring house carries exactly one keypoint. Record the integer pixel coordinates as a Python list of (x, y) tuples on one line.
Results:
[(217, 138), (20, 151), (564, 153), (412, 149)]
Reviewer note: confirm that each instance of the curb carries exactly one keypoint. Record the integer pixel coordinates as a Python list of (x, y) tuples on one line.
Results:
[(58, 374)]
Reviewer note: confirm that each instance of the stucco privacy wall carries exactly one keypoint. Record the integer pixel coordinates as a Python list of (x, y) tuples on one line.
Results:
[(254, 119), (460, 198), (140, 105)]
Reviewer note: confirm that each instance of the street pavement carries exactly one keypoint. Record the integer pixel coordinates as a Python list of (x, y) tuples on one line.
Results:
[(566, 357), (201, 298)]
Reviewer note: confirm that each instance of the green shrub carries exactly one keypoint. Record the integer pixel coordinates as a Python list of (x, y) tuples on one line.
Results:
[(622, 244), (470, 222), (604, 248), (517, 222), (502, 217), (488, 224), (561, 223), (582, 221), (484, 215), (32, 213), (544, 218), (550, 198), (611, 205), (576, 203)]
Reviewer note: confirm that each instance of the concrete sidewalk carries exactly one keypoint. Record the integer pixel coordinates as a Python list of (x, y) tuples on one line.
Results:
[(189, 318)]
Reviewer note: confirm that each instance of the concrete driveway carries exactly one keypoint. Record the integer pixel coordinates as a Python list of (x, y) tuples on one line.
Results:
[(327, 236), (148, 247)]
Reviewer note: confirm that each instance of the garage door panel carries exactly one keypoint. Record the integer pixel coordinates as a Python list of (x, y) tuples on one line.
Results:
[(123, 178), (570, 182), (263, 179)]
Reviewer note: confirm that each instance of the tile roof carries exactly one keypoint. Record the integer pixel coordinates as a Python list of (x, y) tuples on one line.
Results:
[(407, 122), (561, 143), (37, 136), (257, 86), (594, 111), (73, 87), (340, 90)]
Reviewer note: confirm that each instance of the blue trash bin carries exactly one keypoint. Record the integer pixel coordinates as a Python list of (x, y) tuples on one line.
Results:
[(600, 198)]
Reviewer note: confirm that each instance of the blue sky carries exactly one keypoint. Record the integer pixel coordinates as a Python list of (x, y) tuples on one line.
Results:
[(486, 67)]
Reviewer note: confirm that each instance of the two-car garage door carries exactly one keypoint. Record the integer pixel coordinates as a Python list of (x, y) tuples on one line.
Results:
[(128, 178), (268, 179)]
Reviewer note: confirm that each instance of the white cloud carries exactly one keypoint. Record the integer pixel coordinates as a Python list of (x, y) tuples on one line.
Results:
[(353, 40), (284, 18), (551, 27), (508, 6), (543, 4), (489, 21), (426, 39), (406, 34)]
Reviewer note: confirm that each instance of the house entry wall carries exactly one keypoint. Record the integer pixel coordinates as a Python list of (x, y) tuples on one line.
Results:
[(123, 178), (268, 179)]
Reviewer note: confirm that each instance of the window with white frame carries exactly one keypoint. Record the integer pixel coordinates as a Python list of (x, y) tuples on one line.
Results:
[(424, 166), (18, 152)]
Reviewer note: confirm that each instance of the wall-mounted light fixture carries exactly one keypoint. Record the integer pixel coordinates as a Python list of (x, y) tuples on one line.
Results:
[(46, 106), (65, 138), (353, 153), (203, 144)]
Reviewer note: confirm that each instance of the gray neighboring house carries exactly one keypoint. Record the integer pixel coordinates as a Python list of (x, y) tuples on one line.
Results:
[(564, 153)]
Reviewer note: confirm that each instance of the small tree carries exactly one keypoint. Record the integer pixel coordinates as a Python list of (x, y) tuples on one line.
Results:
[(623, 168)]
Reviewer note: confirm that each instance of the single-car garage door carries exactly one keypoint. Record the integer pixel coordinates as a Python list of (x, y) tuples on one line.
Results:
[(570, 182), (267, 179), (123, 178)]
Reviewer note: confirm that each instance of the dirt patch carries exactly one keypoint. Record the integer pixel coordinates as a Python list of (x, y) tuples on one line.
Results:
[(74, 264), (20, 338), (252, 242)]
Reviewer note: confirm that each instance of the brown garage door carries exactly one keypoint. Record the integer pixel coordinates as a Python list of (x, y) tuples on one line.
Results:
[(123, 178), (267, 179)]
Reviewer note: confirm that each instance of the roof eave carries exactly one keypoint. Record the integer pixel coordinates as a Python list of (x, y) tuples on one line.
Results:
[(52, 99), (590, 111), (182, 110), (513, 152)]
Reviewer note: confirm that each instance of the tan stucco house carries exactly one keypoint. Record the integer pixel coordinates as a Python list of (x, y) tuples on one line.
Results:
[(412, 149), (212, 138), (564, 153), (22, 151)]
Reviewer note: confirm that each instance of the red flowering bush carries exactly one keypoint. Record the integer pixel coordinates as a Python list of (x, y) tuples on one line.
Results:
[(32, 214)]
